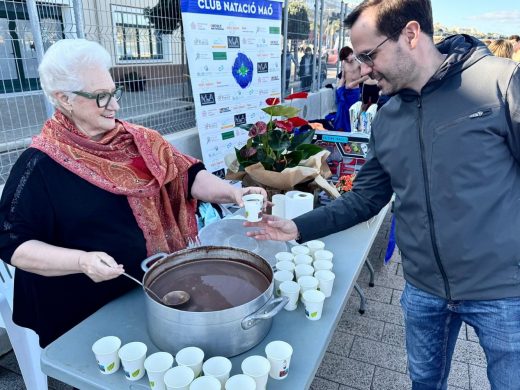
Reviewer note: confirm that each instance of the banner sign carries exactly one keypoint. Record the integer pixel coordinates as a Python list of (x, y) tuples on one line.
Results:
[(234, 56)]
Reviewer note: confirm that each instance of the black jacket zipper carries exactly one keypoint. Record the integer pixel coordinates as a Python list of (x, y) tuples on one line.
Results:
[(428, 204)]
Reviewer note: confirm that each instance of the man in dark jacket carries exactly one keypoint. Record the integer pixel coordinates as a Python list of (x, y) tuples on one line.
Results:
[(448, 145)]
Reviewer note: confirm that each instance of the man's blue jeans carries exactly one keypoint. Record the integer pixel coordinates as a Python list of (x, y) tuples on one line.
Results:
[(433, 324)]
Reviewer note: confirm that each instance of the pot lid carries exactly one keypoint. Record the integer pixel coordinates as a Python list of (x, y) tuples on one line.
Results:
[(230, 232)]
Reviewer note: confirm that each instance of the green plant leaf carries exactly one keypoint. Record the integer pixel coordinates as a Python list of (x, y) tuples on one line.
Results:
[(280, 110), (301, 138), (111, 366), (308, 150), (279, 141), (246, 126), (136, 372), (293, 158)]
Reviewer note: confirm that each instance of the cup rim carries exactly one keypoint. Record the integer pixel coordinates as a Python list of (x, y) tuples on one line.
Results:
[(247, 197), (183, 351), (167, 364), (316, 297), (257, 358), (173, 371), (226, 369), (242, 377), (143, 348), (285, 346), (99, 342)]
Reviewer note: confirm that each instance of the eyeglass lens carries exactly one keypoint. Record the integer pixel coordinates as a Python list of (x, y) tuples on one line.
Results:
[(103, 98)]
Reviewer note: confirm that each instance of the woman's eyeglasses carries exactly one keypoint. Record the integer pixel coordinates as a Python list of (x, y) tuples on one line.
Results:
[(102, 98)]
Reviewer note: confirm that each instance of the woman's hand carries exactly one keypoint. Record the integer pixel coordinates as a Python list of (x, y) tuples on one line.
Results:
[(90, 263), (273, 228), (240, 192)]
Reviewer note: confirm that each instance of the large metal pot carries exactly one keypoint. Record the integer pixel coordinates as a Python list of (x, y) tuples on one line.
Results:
[(226, 332)]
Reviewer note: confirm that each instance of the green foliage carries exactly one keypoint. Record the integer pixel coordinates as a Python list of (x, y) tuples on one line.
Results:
[(299, 25)]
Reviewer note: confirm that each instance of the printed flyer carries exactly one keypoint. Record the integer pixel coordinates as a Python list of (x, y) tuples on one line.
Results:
[(234, 56)]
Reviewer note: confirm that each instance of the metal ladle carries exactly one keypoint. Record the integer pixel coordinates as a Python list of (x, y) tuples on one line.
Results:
[(172, 298)]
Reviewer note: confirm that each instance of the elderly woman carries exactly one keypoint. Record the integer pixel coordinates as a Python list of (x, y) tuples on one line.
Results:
[(92, 188)]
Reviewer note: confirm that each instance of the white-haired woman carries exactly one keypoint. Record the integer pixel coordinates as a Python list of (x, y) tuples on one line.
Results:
[(89, 188)]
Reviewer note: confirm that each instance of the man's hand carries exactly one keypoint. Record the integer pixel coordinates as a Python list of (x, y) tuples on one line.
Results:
[(273, 228)]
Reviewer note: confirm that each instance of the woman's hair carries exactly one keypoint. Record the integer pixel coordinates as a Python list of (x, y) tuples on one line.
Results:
[(64, 62), (344, 53), (501, 48)]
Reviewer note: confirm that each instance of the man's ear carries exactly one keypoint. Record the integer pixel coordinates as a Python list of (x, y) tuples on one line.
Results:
[(412, 32)]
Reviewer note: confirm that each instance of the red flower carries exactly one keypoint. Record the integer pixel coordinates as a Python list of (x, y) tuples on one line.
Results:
[(297, 95), (272, 101), (297, 121), (284, 125), (258, 128)]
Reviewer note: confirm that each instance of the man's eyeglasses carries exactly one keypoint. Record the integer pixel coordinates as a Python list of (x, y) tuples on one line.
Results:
[(102, 98), (368, 58)]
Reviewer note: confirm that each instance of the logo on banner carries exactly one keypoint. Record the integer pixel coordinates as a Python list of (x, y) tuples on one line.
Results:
[(274, 30), (262, 67), (207, 98), (219, 55), (233, 42), (243, 70), (225, 109), (217, 27), (240, 119)]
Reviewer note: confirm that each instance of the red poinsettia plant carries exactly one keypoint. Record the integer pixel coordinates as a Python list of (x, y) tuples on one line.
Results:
[(345, 183), (279, 143)]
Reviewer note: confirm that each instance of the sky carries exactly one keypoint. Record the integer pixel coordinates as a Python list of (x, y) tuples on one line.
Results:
[(487, 16)]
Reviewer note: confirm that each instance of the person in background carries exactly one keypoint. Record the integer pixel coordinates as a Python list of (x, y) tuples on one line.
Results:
[(515, 40), (289, 58), (362, 113), (306, 69), (447, 144), (93, 196), (501, 48), (345, 95)]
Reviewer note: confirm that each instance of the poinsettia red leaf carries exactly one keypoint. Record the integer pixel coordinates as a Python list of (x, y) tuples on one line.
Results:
[(272, 101), (297, 95), (297, 121)]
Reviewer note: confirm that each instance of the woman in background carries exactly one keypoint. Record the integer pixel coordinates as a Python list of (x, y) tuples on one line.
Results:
[(501, 48), (346, 95)]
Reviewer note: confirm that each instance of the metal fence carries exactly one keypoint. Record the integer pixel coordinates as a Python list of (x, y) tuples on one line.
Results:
[(145, 40)]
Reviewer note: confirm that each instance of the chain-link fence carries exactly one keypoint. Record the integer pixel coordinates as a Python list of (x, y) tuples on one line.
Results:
[(146, 42)]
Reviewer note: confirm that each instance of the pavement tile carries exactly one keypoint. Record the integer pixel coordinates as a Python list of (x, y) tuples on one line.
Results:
[(346, 371), (323, 384), (377, 293), (396, 297), (385, 280), (390, 380), (358, 325), (57, 385), (459, 375), (478, 378), (376, 310), (341, 343), (394, 334), (469, 352), (10, 380), (471, 335), (399, 270), (380, 354), (9, 362), (462, 332)]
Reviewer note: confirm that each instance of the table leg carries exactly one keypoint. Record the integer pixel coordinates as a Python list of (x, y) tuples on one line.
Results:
[(363, 303), (372, 274)]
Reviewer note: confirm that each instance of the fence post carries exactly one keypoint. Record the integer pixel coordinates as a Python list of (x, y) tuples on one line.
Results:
[(77, 6), (340, 37), (34, 20), (284, 47), (318, 86), (315, 44)]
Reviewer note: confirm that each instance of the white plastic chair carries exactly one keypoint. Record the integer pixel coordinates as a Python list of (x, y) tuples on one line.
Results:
[(24, 341)]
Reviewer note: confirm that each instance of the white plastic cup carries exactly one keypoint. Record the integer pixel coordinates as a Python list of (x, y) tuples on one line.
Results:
[(191, 357), (315, 245), (307, 283), (303, 270), (323, 254), (300, 250), (323, 265), (253, 204), (240, 382), (284, 256), (106, 351), (132, 357), (278, 208), (218, 367), (279, 355), (156, 366), (205, 383), (280, 277), (257, 367), (290, 290), (285, 266), (179, 378), (303, 259), (325, 281), (313, 301)]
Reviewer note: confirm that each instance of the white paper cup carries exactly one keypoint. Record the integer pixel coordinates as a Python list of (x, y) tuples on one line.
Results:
[(191, 357), (323, 254), (300, 250), (284, 256), (278, 208), (240, 382), (325, 281), (303, 259), (280, 277), (218, 367), (285, 266), (132, 357), (178, 378), (303, 270), (253, 204), (307, 283), (279, 355), (322, 265), (257, 367), (313, 301), (290, 290), (205, 383), (105, 349), (156, 366), (315, 245)]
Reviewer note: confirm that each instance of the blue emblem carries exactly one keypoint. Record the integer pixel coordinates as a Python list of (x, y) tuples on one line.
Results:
[(243, 70)]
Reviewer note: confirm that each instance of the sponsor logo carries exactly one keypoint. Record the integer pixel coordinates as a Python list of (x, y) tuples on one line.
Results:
[(275, 78), (201, 56), (225, 109), (261, 30), (227, 135), (274, 30), (228, 126), (232, 27), (262, 67), (264, 79), (219, 55), (217, 27), (223, 98), (210, 126), (263, 92), (233, 42), (207, 98), (200, 42), (240, 119), (274, 43)]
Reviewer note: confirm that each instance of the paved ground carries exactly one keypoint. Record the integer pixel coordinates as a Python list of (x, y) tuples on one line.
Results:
[(367, 351)]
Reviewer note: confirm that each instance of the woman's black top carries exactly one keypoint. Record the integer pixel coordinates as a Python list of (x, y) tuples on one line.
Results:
[(44, 201)]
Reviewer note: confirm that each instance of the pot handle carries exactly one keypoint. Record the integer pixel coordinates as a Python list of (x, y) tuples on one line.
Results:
[(269, 310), (145, 264)]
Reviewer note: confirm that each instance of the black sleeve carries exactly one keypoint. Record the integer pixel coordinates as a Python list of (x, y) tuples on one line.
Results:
[(26, 210), (192, 174)]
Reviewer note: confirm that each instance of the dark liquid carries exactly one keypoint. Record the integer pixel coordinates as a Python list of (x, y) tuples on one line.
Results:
[(213, 284)]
